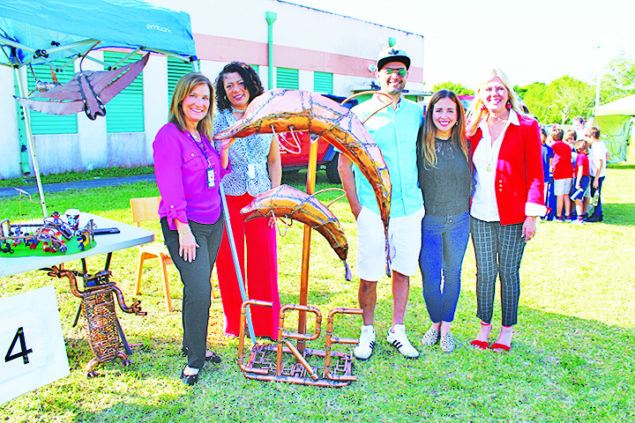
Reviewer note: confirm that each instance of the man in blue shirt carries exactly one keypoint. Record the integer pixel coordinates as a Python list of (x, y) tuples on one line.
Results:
[(394, 129)]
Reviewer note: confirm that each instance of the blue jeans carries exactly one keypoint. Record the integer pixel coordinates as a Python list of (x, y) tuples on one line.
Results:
[(443, 244)]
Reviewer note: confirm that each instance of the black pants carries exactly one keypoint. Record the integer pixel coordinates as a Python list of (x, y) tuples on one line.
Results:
[(498, 250), (197, 289)]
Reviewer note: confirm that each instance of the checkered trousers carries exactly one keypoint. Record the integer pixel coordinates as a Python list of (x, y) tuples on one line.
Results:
[(498, 250)]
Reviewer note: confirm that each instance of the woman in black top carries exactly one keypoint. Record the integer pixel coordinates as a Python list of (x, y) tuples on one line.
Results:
[(445, 181)]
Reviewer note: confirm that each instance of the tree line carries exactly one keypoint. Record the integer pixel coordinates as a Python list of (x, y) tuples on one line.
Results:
[(566, 97)]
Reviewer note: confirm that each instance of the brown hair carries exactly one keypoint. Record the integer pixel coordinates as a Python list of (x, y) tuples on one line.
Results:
[(249, 76), (457, 135), (557, 134), (183, 88), (593, 132), (570, 133)]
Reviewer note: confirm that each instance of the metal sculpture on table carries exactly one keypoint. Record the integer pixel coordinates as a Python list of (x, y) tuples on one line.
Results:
[(103, 331), (287, 111), (54, 235)]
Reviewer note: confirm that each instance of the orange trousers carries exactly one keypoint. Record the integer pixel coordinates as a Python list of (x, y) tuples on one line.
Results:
[(261, 281)]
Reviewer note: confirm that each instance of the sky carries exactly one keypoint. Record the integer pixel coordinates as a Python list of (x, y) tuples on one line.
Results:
[(533, 41)]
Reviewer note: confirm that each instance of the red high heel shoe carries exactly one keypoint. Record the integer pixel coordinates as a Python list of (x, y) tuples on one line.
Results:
[(500, 347), (482, 345)]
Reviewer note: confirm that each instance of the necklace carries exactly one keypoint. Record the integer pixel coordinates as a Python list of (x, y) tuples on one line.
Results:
[(195, 135), (240, 112)]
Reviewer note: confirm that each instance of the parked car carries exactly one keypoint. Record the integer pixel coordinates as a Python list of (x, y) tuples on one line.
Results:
[(294, 150)]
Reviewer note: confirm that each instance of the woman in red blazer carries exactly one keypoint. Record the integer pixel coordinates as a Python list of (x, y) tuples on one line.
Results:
[(505, 155)]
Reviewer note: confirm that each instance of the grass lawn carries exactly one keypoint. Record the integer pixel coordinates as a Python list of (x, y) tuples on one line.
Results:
[(572, 357)]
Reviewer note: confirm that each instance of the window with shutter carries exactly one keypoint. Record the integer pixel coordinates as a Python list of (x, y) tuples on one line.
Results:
[(176, 69), (287, 78), (44, 123), (124, 113), (323, 82)]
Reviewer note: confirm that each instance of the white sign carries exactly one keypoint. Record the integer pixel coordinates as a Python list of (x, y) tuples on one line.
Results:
[(32, 351)]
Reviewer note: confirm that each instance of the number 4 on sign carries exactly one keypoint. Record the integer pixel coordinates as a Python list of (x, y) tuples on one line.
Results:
[(24, 352)]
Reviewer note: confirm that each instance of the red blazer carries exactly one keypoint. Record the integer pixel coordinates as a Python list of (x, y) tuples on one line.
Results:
[(519, 177)]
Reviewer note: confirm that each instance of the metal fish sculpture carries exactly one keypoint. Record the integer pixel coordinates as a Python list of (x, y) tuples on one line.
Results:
[(283, 110), (88, 91), (288, 202)]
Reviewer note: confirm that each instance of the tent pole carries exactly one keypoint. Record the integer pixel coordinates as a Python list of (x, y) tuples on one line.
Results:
[(29, 138)]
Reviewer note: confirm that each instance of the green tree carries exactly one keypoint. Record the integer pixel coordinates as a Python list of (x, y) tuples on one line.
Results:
[(619, 79), (533, 95), (569, 97), (458, 89), (558, 101)]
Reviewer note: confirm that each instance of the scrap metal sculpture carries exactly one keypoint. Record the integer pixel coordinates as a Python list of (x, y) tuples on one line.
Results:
[(291, 203), (283, 110), (88, 91), (288, 111), (266, 361), (98, 307)]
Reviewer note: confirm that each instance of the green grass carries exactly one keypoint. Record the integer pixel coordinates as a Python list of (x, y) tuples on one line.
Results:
[(572, 356), (55, 178)]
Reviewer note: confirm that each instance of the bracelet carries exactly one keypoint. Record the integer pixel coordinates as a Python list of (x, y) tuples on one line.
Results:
[(184, 231)]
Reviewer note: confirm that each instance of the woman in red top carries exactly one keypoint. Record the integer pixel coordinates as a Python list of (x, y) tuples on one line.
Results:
[(508, 197)]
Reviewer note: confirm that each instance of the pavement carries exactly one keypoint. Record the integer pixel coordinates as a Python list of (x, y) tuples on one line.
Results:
[(64, 186)]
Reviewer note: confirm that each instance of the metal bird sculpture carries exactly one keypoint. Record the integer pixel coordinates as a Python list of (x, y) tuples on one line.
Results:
[(88, 91), (291, 203), (283, 110)]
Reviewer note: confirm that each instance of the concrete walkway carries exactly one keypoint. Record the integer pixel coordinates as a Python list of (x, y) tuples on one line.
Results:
[(92, 183)]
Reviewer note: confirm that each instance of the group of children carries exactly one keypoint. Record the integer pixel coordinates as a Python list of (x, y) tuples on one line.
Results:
[(568, 173)]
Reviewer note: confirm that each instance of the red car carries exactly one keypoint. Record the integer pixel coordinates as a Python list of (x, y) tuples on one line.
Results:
[(294, 150)]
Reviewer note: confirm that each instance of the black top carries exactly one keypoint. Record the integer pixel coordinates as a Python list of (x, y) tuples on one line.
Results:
[(446, 187)]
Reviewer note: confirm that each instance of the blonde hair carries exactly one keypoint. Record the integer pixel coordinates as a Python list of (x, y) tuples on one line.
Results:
[(478, 111), (457, 135), (183, 88)]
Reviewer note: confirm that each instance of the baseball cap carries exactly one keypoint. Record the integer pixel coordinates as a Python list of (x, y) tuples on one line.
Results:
[(392, 54)]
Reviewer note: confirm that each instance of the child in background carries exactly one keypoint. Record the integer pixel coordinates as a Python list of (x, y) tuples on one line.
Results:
[(570, 138), (547, 157), (582, 193), (562, 174)]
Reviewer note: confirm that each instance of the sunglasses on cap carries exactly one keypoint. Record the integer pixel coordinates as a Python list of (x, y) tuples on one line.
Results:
[(400, 72)]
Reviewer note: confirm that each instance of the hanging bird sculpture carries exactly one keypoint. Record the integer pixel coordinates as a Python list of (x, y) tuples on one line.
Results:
[(88, 91)]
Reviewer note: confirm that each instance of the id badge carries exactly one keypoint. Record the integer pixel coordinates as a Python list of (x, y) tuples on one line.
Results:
[(211, 178), (251, 170)]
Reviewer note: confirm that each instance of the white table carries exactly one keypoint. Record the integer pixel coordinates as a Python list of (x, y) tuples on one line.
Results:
[(129, 236)]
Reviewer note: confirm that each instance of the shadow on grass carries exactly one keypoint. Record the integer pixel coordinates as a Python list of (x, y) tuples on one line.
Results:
[(619, 214)]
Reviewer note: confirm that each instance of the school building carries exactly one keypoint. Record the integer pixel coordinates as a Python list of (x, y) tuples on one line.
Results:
[(291, 46)]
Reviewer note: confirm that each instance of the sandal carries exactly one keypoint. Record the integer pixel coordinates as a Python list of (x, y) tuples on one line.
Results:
[(189, 379), (498, 347), (210, 357)]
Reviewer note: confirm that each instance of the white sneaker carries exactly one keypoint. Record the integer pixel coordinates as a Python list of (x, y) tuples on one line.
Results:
[(364, 348), (399, 340)]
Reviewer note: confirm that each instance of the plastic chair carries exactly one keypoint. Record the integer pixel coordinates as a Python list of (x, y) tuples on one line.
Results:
[(145, 209)]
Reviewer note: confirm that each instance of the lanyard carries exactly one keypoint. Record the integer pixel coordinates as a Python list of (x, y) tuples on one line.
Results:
[(202, 149)]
